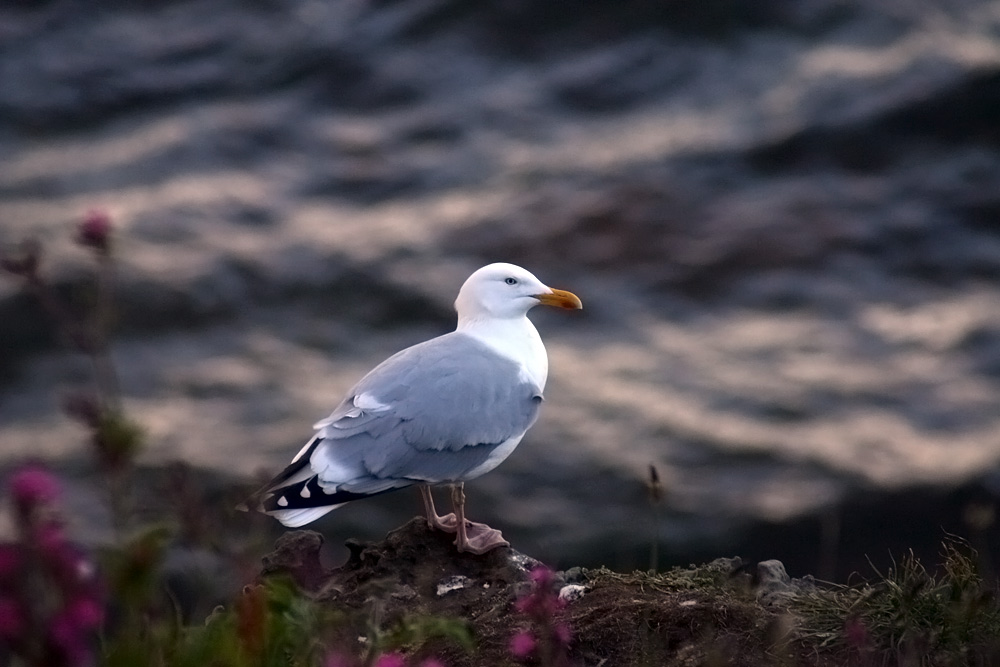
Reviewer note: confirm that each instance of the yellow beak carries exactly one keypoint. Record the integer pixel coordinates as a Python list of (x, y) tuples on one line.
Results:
[(561, 299)]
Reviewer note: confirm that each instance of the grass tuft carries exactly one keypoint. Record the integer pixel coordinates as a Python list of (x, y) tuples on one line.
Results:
[(909, 615)]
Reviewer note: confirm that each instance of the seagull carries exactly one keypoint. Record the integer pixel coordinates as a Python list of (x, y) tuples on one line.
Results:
[(441, 412)]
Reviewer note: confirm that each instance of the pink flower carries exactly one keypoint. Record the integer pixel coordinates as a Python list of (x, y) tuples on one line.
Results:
[(542, 576), (11, 619), (95, 230), (540, 604), (63, 559), (391, 660), (856, 633), (50, 537), (562, 633), (10, 561), (522, 644), (542, 607), (337, 660), (69, 640), (33, 485), (85, 612)]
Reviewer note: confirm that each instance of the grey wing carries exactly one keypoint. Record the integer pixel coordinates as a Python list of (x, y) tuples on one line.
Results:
[(434, 412)]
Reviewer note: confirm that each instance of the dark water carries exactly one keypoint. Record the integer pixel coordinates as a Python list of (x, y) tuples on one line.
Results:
[(783, 222)]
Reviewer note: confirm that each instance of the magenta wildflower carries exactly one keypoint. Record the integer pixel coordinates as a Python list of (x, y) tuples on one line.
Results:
[(523, 644), (562, 633), (63, 629), (32, 486), (64, 561), (537, 605), (95, 230), (73, 571), (11, 619), (50, 537), (86, 613), (548, 637), (542, 603), (50, 597), (69, 639), (856, 633), (391, 660), (10, 561), (542, 576)]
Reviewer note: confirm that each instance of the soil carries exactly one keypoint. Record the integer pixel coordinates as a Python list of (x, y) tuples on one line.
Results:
[(713, 614)]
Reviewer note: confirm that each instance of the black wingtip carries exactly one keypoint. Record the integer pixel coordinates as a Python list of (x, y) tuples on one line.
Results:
[(255, 503), (315, 496)]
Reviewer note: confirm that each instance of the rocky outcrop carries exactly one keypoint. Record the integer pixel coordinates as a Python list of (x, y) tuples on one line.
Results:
[(702, 613)]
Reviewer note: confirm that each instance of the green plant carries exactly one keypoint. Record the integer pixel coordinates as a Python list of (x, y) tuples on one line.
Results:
[(909, 615), (62, 607), (547, 636), (51, 599)]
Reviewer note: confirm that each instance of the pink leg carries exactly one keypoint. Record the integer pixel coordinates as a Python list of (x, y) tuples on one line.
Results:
[(447, 523), (477, 538)]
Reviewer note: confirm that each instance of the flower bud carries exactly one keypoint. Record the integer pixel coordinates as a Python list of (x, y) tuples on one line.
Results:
[(32, 487), (95, 231)]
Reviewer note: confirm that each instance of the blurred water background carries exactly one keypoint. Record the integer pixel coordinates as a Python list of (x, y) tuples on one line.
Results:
[(783, 219)]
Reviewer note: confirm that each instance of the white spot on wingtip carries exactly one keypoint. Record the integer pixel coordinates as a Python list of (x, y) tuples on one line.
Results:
[(305, 492), (283, 501)]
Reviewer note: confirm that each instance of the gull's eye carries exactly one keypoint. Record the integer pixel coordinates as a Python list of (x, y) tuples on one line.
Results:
[(511, 281)]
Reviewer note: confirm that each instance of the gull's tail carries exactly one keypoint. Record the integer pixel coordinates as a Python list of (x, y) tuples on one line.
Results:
[(300, 517), (276, 498), (295, 496)]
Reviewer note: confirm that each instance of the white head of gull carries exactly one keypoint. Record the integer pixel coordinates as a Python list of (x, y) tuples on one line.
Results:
[(440, 412)]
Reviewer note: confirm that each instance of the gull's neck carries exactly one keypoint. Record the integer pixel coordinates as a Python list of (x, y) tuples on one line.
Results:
[(515, 338)]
